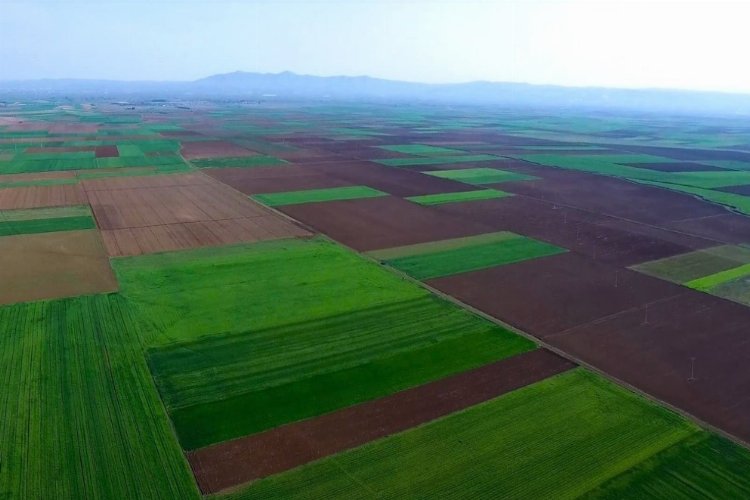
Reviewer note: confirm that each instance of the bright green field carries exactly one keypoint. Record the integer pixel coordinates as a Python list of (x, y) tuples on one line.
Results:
[(558, 438), (701, 466), (9, 228), (229, 386), (310, 318), (440, 160), (318, 195), (695, 265), (249, 161), (706, 283), (80, 415), (472, 257), (480, 175), (422, 150), (440, 199)]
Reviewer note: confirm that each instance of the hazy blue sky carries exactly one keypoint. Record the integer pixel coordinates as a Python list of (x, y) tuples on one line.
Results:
[(701, 45)]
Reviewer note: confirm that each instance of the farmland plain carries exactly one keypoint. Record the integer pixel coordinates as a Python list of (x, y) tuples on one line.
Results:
[(267, 299)]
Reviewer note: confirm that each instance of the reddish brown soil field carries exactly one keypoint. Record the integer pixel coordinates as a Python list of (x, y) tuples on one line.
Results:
[(53, 265), (375, 223), (107, 152), (243, 460), (71, 149), (551, 294), (396, 181), (41, 196), (725, 227), (37, 176), (160, 213), (274, 179), (608, 195), (606, 239), (675, 166), (213, 149), (652, 350)]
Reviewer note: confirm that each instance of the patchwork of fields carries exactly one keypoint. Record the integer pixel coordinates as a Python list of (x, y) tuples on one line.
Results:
[(350, 301)]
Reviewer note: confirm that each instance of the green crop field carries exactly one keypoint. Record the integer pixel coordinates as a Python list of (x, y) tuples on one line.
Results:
[(441, 263), (514, 446), (248, 161), (45, 220), (422, 150), (318, 195), (480, 175), (706, 283), (694, 265), (439, 160), (440, 199), (80, 415), (216, 393), (700, 466), (380, 335), (441, 245)]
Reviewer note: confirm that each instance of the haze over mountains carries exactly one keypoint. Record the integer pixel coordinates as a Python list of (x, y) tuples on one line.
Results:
[(289, 85)]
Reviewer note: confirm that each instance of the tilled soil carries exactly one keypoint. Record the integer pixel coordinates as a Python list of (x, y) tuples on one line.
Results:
[(243, 460)]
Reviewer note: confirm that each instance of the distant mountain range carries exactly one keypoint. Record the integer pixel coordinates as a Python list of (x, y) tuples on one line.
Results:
[(288, 85)]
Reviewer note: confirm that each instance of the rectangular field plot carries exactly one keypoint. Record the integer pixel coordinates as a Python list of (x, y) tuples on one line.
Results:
[(45, 220), (442, 198), (422, 150), (242, 335), (53, 265), (318, 195), (480, 175), (558, 438), (439, 160), (449, 257), (240, 161), (80, 415), (691, 266)]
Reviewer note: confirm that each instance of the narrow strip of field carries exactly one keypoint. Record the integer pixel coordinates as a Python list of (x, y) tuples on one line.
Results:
[(512, 446), (441, 245), (242, 161), (472, 256), (706, 283), (422, 150), (442, 198), (246, 459), (480, 175), (50, 225), (318, 195), (439, 160)]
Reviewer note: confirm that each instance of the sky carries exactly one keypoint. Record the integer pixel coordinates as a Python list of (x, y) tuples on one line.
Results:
[(610, 43)]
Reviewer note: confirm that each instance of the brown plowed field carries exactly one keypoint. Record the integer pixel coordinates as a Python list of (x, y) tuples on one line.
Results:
[(239, 461), (725, 227), (41, 196), (53, 265), (603, 238), (274, 179), (608, 195), (385, 222), (396, 181), (194, 150), (653, 350), (107, 152), (551, 294), (37, 176), (161, 213)]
